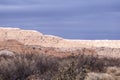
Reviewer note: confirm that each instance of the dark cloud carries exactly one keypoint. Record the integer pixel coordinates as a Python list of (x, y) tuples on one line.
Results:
[(66, 18)]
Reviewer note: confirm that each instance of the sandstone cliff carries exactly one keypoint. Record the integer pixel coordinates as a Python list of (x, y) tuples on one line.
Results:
[(27, 37), (32, 37)]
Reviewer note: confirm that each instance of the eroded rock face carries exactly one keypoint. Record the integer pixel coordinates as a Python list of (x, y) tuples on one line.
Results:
[(28, 37), (6, 52), (31, 37), (30, 41), (18, 48)]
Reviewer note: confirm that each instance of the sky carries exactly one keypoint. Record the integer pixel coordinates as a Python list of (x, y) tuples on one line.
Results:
[(71, 19)]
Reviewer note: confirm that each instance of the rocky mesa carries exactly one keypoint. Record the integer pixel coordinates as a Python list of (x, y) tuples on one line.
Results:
[(30, 41), (32, 37)]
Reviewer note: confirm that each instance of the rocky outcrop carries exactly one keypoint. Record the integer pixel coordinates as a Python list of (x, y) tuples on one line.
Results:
[(32, 37), (30, 41), (28, 37), (6, 52), (16, 47)]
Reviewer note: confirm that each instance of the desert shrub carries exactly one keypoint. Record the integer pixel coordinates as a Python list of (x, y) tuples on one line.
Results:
[(111, 62), (22, 66), (92, 63), (77, 67), (15, 68), (69, 70), (74, 67)]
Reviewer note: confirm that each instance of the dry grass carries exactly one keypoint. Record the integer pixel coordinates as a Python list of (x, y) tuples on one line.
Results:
[(41, 67)]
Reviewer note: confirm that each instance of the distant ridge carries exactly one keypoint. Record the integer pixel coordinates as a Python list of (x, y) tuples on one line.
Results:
[(32, 37), (28, 37)]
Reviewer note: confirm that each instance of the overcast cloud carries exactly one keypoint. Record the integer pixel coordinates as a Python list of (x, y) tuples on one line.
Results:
[(75, 19)]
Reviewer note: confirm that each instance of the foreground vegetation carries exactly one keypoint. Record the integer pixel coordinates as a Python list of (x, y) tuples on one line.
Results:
[(41, 67)]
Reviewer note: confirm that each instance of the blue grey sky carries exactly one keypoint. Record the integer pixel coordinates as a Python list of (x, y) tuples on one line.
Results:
[(72, 19)]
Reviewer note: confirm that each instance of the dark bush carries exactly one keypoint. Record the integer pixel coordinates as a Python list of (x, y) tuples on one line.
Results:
[(22, 66), (31, 66)]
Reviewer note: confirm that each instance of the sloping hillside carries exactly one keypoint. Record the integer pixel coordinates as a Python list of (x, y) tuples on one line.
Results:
[(32, 37)]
